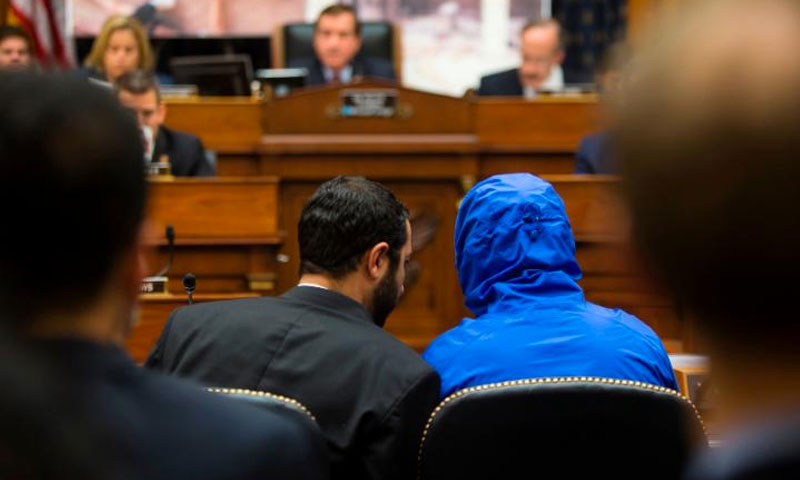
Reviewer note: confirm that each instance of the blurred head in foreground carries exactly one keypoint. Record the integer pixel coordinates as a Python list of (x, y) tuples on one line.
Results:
[(72, 181), (709, 146)]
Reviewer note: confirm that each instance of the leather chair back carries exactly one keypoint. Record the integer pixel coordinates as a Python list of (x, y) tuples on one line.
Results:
[(561, 428), (269, 401)]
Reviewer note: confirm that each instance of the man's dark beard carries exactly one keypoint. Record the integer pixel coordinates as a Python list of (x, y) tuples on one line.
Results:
[(384, 299)]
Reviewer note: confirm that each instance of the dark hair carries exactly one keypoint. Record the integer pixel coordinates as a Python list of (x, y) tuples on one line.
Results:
[(9, 31), (138, 82), (546, 22), (72, 183), (344, 218), (339, 9)]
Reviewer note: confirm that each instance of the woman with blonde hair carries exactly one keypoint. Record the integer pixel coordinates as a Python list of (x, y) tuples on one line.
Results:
[(121, 46)]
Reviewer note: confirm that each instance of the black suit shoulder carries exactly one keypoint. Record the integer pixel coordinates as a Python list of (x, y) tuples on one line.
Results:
[(262, 327), (505, 83), (595, 155), (240, 441), (185, 151), (362, 67), (374, 67), (371, 394), (146, 425)]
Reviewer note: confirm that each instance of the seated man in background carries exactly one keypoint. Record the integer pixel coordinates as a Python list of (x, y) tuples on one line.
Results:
[(542, 48), (139, 92), (322, 342), (712, 184), (71, 271), (15, 48), (516, 264), (337, 41), (594, 152)]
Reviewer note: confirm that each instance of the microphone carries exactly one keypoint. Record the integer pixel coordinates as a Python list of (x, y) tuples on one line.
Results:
[(170, 234), (189, 284)]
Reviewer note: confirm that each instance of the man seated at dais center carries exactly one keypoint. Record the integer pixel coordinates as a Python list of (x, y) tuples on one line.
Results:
[(337, 41)]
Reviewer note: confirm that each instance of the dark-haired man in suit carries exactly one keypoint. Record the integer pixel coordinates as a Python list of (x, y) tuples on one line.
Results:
[(138, 91), (337, 41), (322, 342), (542, 49)]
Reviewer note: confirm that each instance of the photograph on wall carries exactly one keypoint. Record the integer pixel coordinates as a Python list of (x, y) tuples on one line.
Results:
[(190, 18)]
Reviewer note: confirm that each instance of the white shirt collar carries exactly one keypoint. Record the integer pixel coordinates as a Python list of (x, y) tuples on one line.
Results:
[(313, 285), (345, 74)]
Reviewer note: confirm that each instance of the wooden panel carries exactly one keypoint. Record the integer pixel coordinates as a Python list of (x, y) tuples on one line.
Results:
[(214, 209), (377, 166), (593, 205), (426, 113), (237, 165), (155, 311), (230, 124), (219, 267), (520, 160), (546, 125)]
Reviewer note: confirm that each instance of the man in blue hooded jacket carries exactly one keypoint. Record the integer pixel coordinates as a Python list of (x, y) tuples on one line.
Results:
[(515, 256)]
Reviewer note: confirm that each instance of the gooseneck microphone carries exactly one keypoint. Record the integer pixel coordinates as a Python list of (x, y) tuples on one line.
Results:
[(170, 234), (189, 284)]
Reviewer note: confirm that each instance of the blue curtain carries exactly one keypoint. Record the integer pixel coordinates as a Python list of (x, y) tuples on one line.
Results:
[(589, 26)]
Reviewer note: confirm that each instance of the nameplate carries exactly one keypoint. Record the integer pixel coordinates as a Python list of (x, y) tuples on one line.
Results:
[(154, 285), (158, 169), (368, 103)]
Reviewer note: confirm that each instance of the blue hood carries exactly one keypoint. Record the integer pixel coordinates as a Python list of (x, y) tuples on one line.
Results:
[(514, 245)]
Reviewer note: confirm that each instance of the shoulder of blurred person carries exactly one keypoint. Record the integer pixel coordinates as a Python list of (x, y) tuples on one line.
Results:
[(146, 425), (594, 155)]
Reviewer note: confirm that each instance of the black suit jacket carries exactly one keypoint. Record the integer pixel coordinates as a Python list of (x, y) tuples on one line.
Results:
[(145, 425), (595, 155), (362, 67), (370, 393), (502, 84), (185, 152)]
